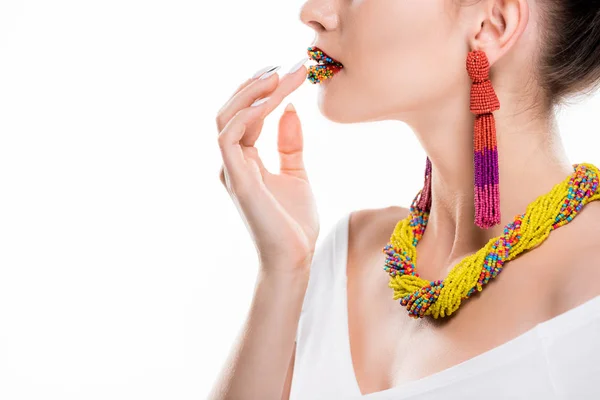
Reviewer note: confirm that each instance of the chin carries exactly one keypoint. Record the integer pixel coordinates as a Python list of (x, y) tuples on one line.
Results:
[(337, 104), (344, 111), (338, 115), (333, 104)]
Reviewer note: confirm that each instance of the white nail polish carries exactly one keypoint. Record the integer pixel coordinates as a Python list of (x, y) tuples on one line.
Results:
[(297, 66), (259, 102), (268, 74), (262, 71)]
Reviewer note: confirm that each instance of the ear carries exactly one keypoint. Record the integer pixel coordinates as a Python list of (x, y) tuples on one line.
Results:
[(498, 26)]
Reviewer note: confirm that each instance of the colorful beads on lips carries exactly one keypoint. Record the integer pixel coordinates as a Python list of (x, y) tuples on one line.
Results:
[(325, 69), (318, 73)]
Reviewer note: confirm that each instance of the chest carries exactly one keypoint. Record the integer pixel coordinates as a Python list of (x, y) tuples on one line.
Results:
[(389, 348)]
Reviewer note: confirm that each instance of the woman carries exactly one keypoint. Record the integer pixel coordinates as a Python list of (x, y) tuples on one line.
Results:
[(441, 66)]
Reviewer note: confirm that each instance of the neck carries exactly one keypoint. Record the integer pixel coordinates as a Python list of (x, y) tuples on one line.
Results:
[(531, 160)]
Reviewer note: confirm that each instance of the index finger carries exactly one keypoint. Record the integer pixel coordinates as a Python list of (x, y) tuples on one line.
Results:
[(254, 77), (287, 84)]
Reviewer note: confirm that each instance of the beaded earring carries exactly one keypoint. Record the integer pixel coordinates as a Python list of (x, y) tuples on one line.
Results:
[(485, 151), (424, 202)]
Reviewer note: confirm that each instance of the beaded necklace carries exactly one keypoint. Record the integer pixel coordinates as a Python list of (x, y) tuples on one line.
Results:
[(442, 297)]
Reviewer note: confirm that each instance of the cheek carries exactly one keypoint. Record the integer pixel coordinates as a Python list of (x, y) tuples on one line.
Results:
[(399, 54), (401, 58)]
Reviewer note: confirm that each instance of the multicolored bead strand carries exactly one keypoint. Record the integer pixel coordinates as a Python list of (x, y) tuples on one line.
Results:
[(442, 297), (483, 102)]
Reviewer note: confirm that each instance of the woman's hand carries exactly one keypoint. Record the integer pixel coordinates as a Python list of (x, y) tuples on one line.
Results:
[(279, 210)]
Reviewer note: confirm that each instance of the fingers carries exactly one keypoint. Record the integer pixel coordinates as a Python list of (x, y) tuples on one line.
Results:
[(290, 145), (247, 93), (251, 153), (235, 103), (220, 121), (243, 85), (229, 142), (239, 88), (287, 84), (240, 124)]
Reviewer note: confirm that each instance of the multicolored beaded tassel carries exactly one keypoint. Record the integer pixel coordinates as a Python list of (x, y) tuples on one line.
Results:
[(485, 152), (442, 297)]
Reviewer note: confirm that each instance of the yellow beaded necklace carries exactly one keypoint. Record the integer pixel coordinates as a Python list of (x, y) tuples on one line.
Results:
[(442, 297)]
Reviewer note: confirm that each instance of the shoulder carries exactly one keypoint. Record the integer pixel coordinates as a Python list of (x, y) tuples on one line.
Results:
[(579, 278), (368, 228), (372, 221)]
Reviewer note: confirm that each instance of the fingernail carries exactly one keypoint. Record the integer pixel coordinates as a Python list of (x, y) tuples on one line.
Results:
[(290, 107), (262, 71), (259, 102), (269, 73), (297, 66)]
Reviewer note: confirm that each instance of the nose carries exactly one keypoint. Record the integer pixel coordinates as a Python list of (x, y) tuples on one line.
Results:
[(320, 15)]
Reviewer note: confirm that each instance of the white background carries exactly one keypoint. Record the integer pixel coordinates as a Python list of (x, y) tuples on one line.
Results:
[(125, 269)]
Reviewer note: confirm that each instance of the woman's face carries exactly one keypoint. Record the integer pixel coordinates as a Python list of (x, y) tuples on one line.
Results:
[(399, 56)]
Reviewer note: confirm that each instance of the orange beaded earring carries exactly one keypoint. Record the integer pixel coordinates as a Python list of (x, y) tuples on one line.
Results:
[(485, 151)]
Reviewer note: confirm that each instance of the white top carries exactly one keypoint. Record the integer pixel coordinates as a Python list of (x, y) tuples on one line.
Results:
[(557, 359)]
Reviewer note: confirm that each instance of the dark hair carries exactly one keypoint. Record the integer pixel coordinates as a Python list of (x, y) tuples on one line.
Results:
[(570, 53), (568, 59)]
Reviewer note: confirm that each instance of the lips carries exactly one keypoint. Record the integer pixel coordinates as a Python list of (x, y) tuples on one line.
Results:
[(319, 55), (326, 66)]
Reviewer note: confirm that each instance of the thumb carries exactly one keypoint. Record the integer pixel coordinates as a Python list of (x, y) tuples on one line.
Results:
[(290, 144)]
